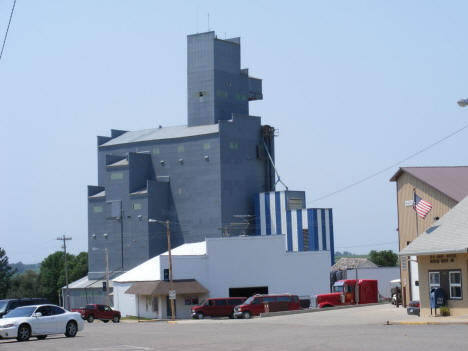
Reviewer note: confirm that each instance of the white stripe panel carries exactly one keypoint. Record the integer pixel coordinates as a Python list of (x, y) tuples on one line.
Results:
[(327, 228), (284, 227), (294, 230), (305, 219), (319, 229), (262, 215), (273, 213)]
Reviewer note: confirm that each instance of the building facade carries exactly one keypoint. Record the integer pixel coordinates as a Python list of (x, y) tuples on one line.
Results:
[(443, 187), (199, 177)]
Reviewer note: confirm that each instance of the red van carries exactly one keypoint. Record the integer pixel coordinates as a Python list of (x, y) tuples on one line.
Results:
[(255, 305), (219, 307)]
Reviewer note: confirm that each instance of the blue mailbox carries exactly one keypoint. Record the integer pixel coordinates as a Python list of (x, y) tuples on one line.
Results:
[(437, 298)]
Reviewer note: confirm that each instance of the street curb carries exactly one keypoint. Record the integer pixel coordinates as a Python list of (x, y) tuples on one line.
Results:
[(426, 323), (284, 313)]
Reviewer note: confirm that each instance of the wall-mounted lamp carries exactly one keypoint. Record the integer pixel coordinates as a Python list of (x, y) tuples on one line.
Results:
[(106, 235)]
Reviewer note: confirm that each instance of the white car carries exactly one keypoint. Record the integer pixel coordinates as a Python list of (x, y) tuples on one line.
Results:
[(39, 321)]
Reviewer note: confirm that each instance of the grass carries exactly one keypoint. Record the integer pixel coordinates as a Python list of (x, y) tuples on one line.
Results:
[(135, 318)]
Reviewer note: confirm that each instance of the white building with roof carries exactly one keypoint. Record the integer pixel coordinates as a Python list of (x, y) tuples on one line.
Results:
[(220, 267)]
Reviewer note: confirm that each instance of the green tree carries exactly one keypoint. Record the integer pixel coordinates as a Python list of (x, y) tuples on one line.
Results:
[(385, 258), (5, 274), (52, 273), (24, 285)]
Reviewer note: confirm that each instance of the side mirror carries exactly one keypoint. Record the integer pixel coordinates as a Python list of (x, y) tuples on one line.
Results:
[(37, 314)]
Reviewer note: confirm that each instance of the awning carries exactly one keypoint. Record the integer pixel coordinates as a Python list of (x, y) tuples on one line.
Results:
[(161, 287)]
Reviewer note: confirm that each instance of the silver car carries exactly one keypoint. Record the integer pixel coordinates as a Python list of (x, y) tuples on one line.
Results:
[(39, 321)]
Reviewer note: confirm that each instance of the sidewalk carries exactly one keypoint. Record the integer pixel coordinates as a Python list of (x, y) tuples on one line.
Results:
[(435, 320)]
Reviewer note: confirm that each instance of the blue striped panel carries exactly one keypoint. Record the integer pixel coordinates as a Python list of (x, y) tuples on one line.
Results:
[(332, 240), (289, 229), (324, 232), (257, 214), (278, 212), (267, 214), (300, 234), (313, 233)]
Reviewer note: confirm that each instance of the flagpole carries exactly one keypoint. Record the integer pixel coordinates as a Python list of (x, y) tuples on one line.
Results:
[(415, 212)]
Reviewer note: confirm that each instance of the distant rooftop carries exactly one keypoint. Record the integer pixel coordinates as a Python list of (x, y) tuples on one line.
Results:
[(162, 133), (352, 263), (451, 181)]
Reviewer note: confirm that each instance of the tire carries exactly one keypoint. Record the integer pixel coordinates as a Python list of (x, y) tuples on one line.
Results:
[(24, 332), (90, 318), (200, 315), (105, 320), (246, 315), (231, 316), (41, 337), (71, 329), (116, 319)]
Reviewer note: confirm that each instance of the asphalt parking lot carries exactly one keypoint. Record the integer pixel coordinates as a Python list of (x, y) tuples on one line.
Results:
[(348, 329)]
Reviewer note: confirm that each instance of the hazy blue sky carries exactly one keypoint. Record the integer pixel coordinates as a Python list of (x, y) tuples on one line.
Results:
[(352, 86)]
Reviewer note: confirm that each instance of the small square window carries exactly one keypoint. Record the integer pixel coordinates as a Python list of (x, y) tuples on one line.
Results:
[(156, 151), (117, 176), (137, 206), (97, 209), (180, 148), (206, 146)]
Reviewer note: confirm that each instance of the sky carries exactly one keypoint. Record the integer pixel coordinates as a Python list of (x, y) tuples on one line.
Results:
[(351, 86)]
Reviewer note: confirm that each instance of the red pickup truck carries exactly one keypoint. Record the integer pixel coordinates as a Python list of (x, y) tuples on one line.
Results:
[(101, 312)]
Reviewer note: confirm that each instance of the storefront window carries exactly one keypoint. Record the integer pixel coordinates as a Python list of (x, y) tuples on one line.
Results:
[(455, 285), (434, 280)]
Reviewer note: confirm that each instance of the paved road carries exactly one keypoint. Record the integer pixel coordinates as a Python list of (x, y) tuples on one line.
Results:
[(350, 329)]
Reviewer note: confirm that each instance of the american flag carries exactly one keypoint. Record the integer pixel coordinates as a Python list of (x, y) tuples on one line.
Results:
[(421, 207)]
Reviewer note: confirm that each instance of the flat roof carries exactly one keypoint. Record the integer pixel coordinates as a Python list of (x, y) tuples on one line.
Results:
[(162, 134)]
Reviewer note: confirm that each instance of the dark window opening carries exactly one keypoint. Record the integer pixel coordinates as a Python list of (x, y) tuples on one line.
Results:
[(248, 291)]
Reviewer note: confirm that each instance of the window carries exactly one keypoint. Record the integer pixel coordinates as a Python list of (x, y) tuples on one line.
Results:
[(256, 301), (148, 302), (195, 300), (180, 148), (434, 280), (295, 203), (97, 209), (155, 304), (137, 206), (220, 302), (305, 239), (206, 146), (403, 261), (57, 310), (233, 146), (117, 176), (268, 299), (283, 298), (156, 151), (455, 285)]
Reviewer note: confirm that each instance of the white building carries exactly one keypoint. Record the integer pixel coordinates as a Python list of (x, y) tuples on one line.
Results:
[(220, 267)]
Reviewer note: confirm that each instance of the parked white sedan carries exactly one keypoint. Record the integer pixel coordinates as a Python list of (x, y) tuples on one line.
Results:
[(39, 321)]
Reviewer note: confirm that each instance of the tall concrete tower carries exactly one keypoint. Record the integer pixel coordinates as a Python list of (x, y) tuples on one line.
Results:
[(217, 87)]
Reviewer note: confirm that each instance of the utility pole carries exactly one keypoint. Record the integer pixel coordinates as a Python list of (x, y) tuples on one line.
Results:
[(66, 302), (171, 283), (107, 279)]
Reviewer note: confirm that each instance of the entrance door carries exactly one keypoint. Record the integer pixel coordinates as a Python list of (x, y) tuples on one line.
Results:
[(414, 274), (168, 307)]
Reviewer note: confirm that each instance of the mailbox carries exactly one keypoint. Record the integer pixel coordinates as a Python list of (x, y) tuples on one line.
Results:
[(437, 298)]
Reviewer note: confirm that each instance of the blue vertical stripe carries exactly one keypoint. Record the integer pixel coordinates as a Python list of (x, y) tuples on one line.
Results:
[(257, 214), (289, 229), (324, 231), (267, 214), (315, 230), (332, 241), (278, 212), (300, 233)]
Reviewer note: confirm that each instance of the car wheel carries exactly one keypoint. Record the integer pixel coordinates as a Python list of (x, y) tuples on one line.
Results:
[(105, 320), (71, 329), (200, 315), (116, 319), (231, 316), (246, 315), (24, 332), (90, 318), (41, 337)]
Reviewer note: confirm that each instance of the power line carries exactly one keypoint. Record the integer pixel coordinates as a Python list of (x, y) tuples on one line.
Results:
[(391, 166), (367, 245), (8, 28)]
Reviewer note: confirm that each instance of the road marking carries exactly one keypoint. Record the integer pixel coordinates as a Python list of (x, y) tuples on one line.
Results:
[(121, 348)]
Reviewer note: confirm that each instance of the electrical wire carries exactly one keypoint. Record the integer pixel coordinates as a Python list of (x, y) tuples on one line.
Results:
[(8, 28), (391, 166)]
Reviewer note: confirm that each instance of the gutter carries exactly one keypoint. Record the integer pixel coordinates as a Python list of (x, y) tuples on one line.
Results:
[(436, 252)]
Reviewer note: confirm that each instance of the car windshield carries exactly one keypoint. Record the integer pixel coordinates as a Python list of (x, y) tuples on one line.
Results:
[(337, 288), (249, 300), (20, 312), (3, 305)]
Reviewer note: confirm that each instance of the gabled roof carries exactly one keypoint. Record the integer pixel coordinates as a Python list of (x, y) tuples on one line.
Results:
[(149, 270), (447, 236), (162, 133), (451, 181), (345, 263), (162, 287)]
